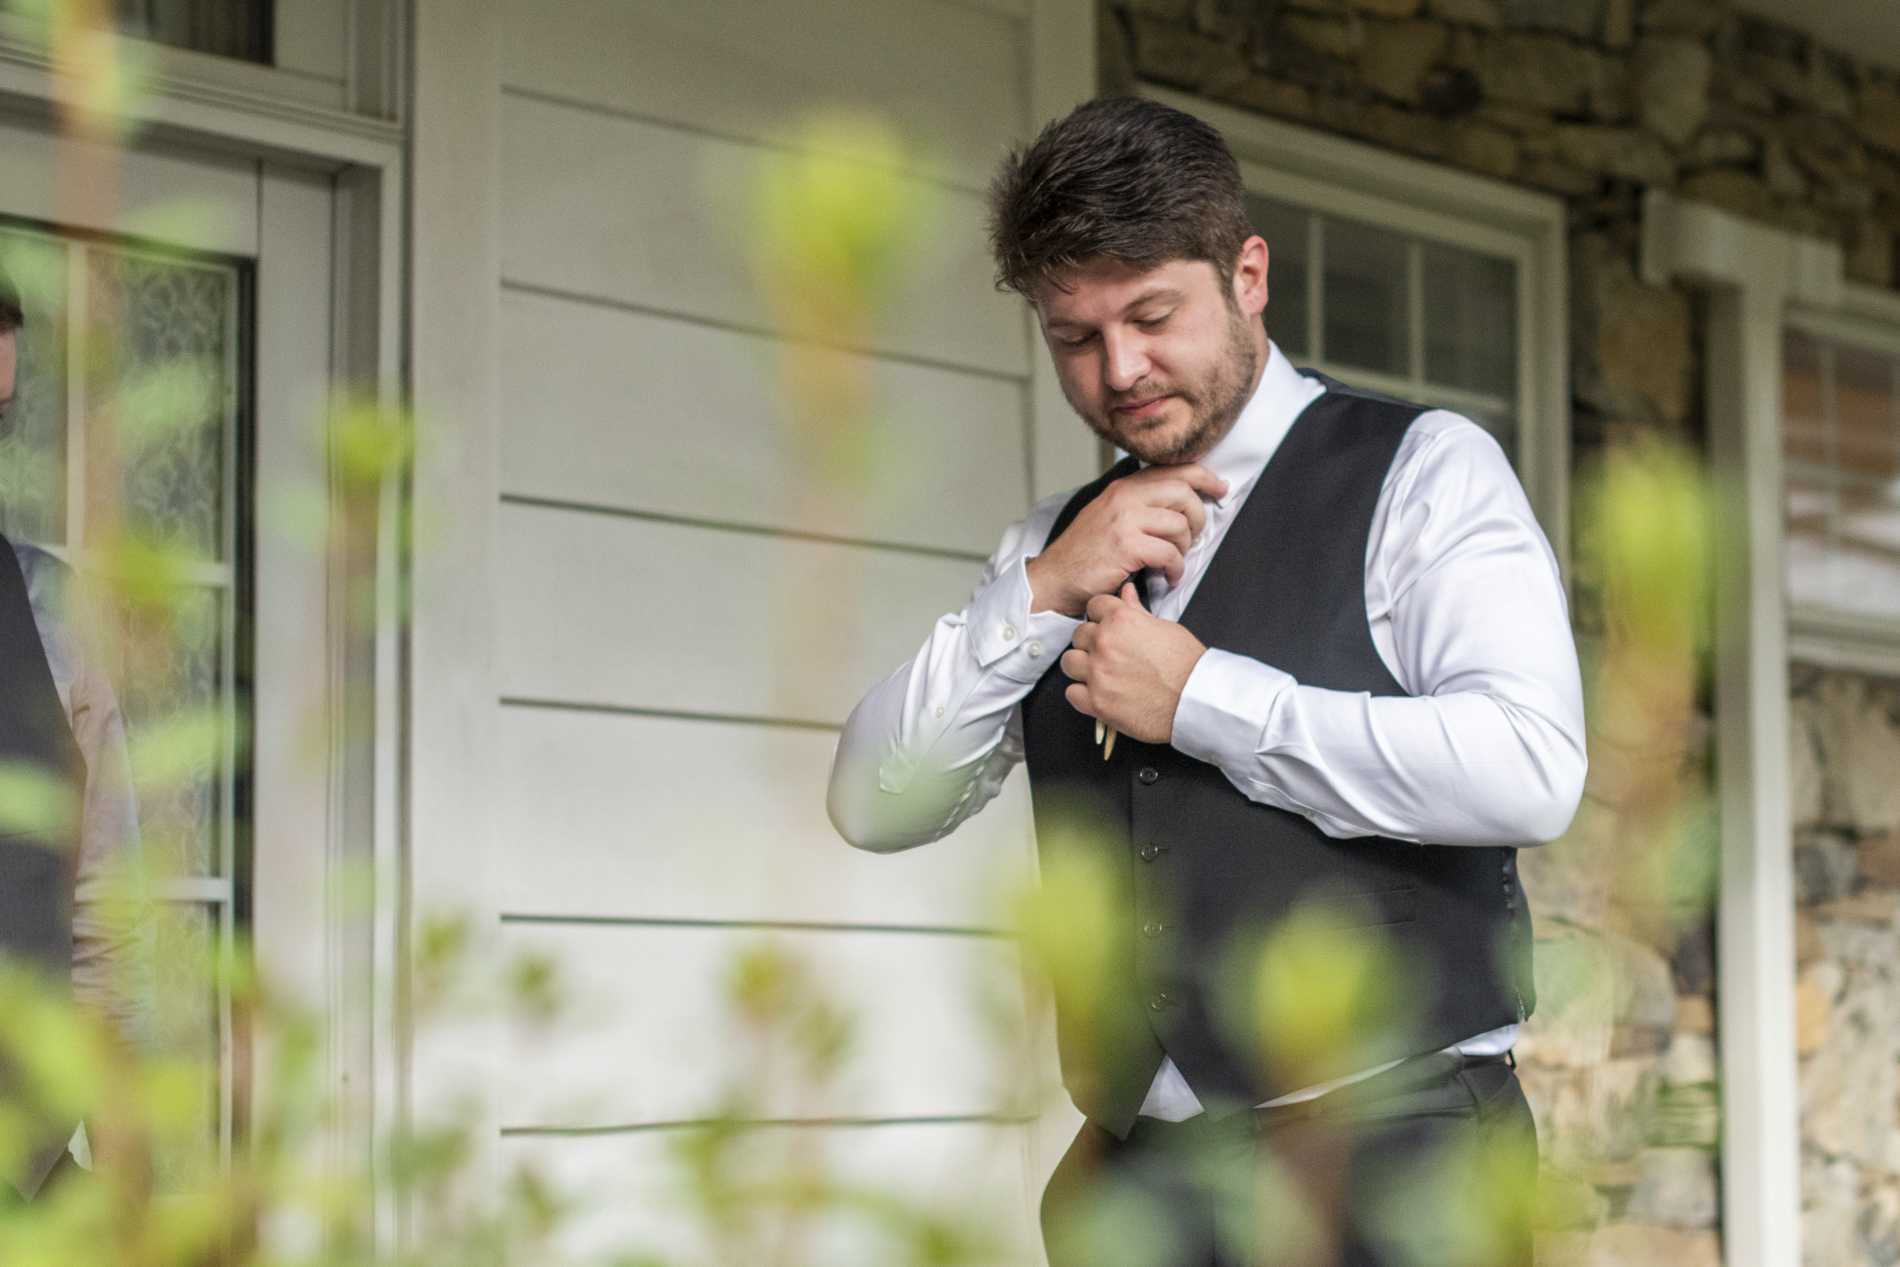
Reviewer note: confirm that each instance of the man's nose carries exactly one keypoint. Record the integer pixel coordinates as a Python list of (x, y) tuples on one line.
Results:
[(1125, 361)]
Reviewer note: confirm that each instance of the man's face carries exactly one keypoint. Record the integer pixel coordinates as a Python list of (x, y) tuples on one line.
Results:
[(9, 365), (1158, 362)]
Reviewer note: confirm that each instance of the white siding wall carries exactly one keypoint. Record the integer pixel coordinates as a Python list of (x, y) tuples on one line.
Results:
[(661, 754)]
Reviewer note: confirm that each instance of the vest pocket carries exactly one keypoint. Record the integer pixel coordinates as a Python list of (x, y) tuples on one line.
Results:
[(1368, 909)]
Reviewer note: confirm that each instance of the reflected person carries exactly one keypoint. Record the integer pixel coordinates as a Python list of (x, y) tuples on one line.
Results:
[(1303, 644), (73, 902)]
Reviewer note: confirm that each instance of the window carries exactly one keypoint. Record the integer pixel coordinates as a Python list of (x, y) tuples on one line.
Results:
[(1395, 312), (1840, 444), (239, 29), (132, 386), (1409, 278)]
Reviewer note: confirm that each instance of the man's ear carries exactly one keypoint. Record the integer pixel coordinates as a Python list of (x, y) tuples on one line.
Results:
[(1250, 276)]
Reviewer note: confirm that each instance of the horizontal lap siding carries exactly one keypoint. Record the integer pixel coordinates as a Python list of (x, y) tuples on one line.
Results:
[(608, 610), (653, 1037), (627, 211), (685, 613), (649, 413), (629, 816), (632, 1188), (947, 72)]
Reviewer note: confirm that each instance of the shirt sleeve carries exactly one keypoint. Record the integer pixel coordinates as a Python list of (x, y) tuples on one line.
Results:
[(1468, 610), (114, 961), (931, 744), (114, 968)]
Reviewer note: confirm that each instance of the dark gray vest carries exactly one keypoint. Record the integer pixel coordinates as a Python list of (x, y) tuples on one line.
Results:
[(1203, 871), (38, 862)]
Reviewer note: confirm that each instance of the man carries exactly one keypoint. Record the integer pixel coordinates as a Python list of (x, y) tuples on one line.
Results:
[(72, 901), (1324, 648)]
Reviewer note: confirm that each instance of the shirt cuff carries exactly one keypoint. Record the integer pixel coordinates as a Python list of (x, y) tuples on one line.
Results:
[(1006, 637), (1225, 706)]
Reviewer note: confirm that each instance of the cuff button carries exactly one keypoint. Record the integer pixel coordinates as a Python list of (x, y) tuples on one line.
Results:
[(1009, 633), (1034, 649)]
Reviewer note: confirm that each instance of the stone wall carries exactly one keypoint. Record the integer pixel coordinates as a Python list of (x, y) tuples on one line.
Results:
[(1846, 753), (1596, 100)]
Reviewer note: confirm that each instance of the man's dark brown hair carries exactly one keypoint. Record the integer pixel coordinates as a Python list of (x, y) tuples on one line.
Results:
[(12, 317), (1122, 179)]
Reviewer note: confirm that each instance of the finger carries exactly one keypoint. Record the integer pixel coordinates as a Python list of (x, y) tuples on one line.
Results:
[(1201, 480), (1173, 526), (1162, 557), (1128, 594), (1078, 697), (1076, 665), (1083, 639), (1100, 608), (1169, 492)]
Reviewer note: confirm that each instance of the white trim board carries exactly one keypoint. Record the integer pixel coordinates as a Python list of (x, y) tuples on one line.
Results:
[(1361, 182), (1753, 274)]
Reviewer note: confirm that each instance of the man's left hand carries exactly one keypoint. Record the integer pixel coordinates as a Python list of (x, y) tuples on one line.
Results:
[(1130, 667)]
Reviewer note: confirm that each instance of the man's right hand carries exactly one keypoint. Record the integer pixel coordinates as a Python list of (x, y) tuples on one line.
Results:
[(1146, 520)]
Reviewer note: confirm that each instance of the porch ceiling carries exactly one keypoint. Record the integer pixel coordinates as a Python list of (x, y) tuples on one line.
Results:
[(1868, 28)]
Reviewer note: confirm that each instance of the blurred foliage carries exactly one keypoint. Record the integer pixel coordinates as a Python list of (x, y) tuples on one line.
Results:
[(829, 224), (1644, 535)]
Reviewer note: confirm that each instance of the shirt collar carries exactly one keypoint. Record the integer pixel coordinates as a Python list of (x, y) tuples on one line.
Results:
[(1283, 394)]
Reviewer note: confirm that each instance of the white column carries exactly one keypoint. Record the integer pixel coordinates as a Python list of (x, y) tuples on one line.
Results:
[(455, 347), (1752, 272)]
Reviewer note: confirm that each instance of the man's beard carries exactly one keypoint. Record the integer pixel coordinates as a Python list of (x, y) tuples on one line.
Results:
[(1213, 404)]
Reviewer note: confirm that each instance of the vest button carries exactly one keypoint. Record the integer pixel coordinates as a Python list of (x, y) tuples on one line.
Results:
[(1150, 852), (1153, 929), (1160, 1001), (1147, 774)]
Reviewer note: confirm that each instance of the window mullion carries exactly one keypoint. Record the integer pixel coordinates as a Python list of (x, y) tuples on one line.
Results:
[(1415, 311)]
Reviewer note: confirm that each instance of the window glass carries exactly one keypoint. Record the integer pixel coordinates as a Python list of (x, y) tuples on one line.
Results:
[(1840, 432), (1285, 228), (1470, 305), (33, 429), (1366, 317), (224, 28), (145, 437)]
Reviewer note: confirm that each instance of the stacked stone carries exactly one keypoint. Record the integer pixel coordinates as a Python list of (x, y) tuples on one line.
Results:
[(1577, 97), (1619, 1061), (1845, 744)]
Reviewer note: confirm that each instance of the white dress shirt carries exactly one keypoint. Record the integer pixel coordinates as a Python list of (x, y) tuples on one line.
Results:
[(1467, 611)]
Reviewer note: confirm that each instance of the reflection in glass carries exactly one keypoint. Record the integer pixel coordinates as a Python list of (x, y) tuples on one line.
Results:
[(33, 430), (1470, 306), (178, 814), (1285, 229), (1841, 439), (1367, 286)]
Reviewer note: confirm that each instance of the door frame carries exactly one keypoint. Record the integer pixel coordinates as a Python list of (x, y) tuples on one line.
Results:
[(365, 159)]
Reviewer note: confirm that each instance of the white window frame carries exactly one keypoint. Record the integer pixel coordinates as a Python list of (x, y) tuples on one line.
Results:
[(1867, 318), (1353, 181)]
